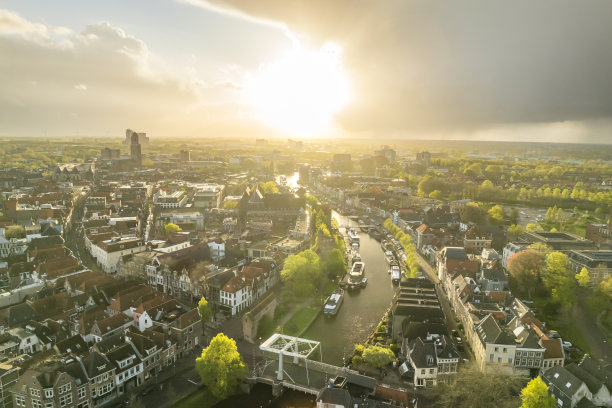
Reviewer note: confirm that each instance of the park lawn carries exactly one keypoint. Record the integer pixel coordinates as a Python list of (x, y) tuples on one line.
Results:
[(300, 320), (198, 399)]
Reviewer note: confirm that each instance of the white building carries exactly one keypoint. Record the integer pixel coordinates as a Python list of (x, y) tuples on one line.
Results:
[(108, 253)]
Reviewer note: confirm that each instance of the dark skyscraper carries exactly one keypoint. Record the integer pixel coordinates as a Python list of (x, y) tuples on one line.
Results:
[(135, 151)]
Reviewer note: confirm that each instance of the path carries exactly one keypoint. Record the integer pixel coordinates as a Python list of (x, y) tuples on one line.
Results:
[(587, 323)]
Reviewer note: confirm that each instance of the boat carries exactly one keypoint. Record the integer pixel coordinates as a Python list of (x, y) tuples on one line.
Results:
[(355, 258), (356, 275), (389, 257), (333, 302), (396, 274), (353, 236)]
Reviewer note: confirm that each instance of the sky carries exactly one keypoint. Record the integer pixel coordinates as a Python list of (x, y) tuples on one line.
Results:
[(468, 69)]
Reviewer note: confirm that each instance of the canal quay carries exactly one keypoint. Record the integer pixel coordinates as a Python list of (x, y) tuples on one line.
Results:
[(362, 309)]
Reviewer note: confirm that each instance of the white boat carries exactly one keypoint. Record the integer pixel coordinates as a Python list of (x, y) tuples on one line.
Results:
[(355, 258), (389, 257), (333, 303), (353, 236), (396, 274), (356, 276)]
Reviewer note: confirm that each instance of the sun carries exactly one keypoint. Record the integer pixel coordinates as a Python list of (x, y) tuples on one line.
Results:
[(301, 92)]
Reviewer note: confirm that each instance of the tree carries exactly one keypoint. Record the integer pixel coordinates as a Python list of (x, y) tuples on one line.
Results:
[(377, 357), (205, 310), (493, 171), (473, 389), (514, 231), (473, 170), (269, 187), (536, 395), (265, 326), (230, 205), (14, 231), (171, 228), (496, 214), (532, 227), (583, 278), (473, 213), (436, 194), (514, 216), (558, 277), (541, 248), (334, 264), (220, 366), (525, 267), (302, 273)]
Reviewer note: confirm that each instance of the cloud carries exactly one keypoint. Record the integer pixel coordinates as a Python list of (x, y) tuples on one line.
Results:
[(433, 66), (62, 31), (13, 23), (111, 69), (231, 86)]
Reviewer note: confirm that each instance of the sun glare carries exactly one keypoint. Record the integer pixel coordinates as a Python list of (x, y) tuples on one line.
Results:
[(301, 92)]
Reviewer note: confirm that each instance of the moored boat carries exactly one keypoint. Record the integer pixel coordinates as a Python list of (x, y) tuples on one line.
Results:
[(333, 303)]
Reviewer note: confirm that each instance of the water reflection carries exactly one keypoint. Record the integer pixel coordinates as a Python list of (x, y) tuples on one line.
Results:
[(361, 310)]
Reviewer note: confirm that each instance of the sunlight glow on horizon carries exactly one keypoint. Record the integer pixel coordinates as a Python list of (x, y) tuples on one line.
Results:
[(301, 92)]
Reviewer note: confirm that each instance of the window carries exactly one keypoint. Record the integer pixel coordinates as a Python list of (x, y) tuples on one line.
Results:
[(20, 400), (65, 400), (49, 393), (81, 392), (49, 404), (496, 349), (36, 403), (499, 359), (422, 371), (505, 350), (491, 358), (34, 392), (518, 353), (431, 371)]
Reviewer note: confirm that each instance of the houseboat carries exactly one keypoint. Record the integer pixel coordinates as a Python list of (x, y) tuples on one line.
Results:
[(389, 257), (333, 303), (353, 236), (356, 276), (396, 274)]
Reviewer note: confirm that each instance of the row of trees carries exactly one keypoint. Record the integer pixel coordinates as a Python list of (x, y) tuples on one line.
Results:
[(406, 242)]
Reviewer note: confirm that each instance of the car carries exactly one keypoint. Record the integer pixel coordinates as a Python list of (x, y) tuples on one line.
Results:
[(553, 334), (567, 344)]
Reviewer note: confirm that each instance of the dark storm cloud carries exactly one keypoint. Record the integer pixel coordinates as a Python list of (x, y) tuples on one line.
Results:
[(460, 65)]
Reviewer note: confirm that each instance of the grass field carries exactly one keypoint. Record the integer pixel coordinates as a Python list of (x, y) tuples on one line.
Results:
[(300, 320), (198, 399)]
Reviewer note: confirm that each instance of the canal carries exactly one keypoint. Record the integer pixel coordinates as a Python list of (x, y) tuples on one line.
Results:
[(362, 309)]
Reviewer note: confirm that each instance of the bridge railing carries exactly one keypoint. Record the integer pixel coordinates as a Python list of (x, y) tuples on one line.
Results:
[(326, 368)]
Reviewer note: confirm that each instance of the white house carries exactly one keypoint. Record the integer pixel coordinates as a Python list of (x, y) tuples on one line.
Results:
[(108, 253)]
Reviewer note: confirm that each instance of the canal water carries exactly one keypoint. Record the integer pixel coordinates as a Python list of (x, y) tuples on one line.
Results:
[(362, 309)]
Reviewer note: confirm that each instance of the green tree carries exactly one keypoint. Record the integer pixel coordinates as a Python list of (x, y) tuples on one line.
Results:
[(473, 213), (436, 194), (230, 205), (496, 214), (583, 278), (473, 170), (532, 227), (302, 273), (514, 216), (377, 357), (334, 264), (14, 231), (171, 228), (204, 309), (558, 277), (541, 248), (514, 231), (493, 171), (536, 395), (525, 267), (220, 366), (269, 187)]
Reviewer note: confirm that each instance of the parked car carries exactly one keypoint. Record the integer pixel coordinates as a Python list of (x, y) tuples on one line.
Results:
[(553, 334), (567, 344)]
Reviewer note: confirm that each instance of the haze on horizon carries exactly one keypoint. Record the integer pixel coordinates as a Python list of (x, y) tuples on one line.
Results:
[(473, 69)]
